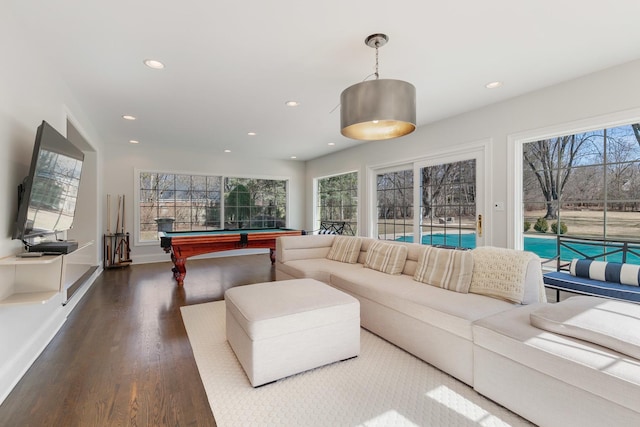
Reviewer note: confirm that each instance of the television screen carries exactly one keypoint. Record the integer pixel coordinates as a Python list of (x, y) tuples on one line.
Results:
[(47, 197)]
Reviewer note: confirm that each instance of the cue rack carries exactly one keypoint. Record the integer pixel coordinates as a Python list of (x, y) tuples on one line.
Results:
[(116, 249)]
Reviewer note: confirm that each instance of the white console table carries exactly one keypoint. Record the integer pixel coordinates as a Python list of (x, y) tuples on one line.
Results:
[(37, 280)]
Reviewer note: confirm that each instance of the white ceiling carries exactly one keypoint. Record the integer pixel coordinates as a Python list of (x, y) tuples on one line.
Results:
[(232, 65)]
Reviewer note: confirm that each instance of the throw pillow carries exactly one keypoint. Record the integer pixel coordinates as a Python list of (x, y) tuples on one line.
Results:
[(445, 268), (626, 274), (386, 257), (345, 249), (500, 272)]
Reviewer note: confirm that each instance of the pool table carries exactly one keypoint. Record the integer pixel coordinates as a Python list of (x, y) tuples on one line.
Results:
[(184, 244)]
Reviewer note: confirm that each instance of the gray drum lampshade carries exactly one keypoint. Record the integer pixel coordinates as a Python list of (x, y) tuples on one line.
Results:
[(378, 109)]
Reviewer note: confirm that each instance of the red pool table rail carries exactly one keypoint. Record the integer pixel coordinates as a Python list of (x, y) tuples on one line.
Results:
[(184, 245)]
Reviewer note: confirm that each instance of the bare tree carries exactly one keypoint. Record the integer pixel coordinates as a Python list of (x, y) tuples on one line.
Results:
[(395, 195), (552, 161), (433, 179), (620, 171)]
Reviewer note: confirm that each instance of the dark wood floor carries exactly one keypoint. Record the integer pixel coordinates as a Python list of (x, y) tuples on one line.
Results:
[(123, 357)]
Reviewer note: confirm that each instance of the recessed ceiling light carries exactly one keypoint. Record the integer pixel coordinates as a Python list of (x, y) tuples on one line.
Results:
[(251, 133), (332, 144), (133, 141), (292, 103), (227, 151), (293, 157), (493, 85), (152, 63), (128, 117)]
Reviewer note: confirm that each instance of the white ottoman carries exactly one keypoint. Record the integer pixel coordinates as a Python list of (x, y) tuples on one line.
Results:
[(277, 329)]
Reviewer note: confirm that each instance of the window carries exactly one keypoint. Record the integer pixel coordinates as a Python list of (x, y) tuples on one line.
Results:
[(255, 203), (583, 185), (448, 204), (435, 200), (338, 201), (181, 202), (395, 205)]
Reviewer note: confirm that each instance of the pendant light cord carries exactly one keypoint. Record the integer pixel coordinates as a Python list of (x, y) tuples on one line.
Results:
[(377, 74)]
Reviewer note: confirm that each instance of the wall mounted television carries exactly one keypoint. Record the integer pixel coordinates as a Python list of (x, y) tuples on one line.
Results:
[(47, 196)]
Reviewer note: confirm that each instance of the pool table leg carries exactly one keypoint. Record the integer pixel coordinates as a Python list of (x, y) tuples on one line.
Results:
[(272, 255), (179, 271)]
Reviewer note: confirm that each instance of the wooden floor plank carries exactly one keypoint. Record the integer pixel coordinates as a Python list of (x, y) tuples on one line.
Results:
[(123, 357)]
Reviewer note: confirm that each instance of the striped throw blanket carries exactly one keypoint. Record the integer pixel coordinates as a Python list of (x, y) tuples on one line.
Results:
[(501, 273)]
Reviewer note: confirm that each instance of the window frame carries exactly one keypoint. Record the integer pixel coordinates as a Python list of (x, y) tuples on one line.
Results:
[(477, 190), (481, 150), (316, 198), (515, 166), (137, 241), (375, 221)]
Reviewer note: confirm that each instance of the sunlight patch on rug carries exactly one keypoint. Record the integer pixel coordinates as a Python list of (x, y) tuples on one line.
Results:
[(384, 386)]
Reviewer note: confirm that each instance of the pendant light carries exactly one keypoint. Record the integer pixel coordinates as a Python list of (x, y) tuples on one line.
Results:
[(378, 109)]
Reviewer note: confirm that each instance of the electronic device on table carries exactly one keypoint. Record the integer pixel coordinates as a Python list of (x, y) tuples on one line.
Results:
[(47, 197)]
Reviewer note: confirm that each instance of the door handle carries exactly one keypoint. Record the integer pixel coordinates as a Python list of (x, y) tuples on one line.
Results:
[(479, 226)]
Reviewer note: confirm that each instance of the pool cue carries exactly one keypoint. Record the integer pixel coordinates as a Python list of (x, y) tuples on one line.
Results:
[(117, 228), (108, 213), (125, 235), (108, 237), (118, 216), (121, 244)]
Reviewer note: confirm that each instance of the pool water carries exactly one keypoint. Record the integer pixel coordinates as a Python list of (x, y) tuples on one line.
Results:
[(545, 248)]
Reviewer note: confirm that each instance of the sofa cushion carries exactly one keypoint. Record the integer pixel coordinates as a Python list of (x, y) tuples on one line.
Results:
[(345, 249), (316, 268), (611, 324), (386, 257), (451, 311), (290, 248), (585, 365), (501, 273), (626, 274), (564, 281), (446, 268)]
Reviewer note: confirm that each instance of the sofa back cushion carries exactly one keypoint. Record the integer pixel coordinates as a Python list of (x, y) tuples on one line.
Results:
[(345, 249), (445, 268), (291, 248), (386, 257), (414, 251), (626, 274)]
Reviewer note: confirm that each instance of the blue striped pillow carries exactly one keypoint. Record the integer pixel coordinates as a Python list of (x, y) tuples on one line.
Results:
[(327, 232), (623, 273)]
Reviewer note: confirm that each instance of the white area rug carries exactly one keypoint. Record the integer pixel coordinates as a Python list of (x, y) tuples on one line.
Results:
[(384, 386)]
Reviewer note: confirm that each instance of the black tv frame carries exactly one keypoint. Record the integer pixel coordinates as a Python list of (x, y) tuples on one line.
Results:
[(50, 139)]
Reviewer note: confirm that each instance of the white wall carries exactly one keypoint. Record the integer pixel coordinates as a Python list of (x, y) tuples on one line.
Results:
[(598, 94), (30, 92), (121, 161)]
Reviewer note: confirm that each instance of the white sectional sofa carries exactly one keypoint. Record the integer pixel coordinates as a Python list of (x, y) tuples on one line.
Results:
[(430, 322), (481, 338)]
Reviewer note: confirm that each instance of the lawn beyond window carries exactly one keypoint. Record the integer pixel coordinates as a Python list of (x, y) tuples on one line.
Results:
[(583, 185)]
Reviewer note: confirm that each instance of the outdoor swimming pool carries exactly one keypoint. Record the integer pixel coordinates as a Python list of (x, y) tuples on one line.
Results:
[(544, 247)]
